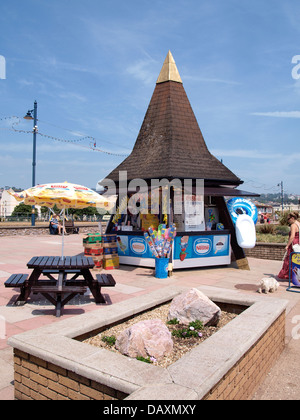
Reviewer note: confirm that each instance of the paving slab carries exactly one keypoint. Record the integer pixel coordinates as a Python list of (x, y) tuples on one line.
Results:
[(282, 382)]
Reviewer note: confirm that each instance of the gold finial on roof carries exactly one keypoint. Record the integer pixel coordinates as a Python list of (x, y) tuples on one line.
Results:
[(169, 71)]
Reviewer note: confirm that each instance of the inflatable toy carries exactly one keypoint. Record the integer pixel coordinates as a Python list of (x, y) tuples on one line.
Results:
[(245, 231), (238, 206)]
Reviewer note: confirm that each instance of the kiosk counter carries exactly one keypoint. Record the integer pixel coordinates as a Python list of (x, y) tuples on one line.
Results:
[(190, 249)]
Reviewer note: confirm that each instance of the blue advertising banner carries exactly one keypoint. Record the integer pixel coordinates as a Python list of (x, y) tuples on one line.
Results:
[(201, 246), (133, 246), (185, 247)]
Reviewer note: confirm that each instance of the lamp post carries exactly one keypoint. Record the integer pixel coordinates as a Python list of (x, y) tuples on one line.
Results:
[(281, 194), (29, 116)]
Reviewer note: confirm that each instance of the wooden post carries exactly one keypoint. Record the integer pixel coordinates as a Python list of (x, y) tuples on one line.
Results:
[(110, 224)]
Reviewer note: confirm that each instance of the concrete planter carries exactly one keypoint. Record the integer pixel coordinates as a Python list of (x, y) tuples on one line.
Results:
[(51, 363)]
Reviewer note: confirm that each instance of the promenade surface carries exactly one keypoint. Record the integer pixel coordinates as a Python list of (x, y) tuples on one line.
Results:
[(282, 382)]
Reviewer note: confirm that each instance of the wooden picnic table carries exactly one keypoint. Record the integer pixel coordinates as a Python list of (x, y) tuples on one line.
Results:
[(65, 278)]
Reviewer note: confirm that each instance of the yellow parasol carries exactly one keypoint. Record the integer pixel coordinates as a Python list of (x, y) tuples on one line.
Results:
[(64, 195)]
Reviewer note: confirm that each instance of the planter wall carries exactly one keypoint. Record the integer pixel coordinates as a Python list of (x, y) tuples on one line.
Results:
[(266, 251)]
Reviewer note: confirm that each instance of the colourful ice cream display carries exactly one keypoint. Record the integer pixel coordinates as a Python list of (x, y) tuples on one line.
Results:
[(160, 241)]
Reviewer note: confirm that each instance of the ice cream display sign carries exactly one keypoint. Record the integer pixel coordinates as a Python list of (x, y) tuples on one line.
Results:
[(122, 245), (133, 246), (138, 246), (221, 244), (187, 247), (202, 246)]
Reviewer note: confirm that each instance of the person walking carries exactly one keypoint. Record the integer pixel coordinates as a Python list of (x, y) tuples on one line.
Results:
[(293, 239)]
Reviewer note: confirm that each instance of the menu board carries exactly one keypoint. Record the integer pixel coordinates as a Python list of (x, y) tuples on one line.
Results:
[(194, 213), (149, 220)]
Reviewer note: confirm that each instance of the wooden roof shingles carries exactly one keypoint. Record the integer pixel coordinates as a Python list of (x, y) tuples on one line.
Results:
[(170, 143)]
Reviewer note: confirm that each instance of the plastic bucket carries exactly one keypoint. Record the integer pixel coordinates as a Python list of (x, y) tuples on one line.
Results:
[(161, 268)]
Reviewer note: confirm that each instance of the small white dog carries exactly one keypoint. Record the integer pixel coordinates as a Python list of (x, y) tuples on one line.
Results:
[(268, 284)]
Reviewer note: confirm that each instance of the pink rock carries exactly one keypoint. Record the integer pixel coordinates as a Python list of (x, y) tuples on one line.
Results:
[(146, 338), (194, 305)]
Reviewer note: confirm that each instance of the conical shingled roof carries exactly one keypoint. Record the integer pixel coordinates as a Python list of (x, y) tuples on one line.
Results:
[(170, 143)]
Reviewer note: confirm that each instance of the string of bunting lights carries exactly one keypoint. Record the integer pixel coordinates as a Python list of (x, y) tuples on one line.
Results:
[(258, 185), (92, 144)]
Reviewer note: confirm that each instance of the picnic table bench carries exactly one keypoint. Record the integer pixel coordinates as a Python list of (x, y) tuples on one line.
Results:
[(105, 280), (62, 281), (16, 280), (70, 227)]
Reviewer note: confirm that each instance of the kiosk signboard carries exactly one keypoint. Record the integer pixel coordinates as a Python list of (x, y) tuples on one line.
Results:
[(294, 281)]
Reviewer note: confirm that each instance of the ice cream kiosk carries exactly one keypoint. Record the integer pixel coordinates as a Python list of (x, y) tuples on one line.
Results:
[(202, 239), (170, 147)]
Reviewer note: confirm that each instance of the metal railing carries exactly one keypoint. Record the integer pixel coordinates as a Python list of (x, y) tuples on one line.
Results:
[(21, 217)]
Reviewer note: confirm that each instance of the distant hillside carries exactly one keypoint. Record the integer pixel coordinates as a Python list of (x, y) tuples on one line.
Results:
[(276, 198)]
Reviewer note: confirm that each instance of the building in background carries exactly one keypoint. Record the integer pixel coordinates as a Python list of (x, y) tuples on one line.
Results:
[(7, 204)]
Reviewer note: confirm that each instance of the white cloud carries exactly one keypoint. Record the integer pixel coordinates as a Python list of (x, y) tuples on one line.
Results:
[(24, 82), (247, 154), (278, 114), (143, 70), (274, 160), (210, 80), (72, 96)]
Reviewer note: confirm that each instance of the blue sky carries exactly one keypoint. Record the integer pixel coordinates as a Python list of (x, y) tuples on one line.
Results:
[(92, 67)]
